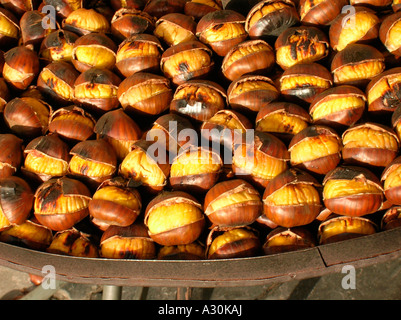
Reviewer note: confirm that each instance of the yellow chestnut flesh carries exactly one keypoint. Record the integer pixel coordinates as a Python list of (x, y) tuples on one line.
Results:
[(393, 37), (119, 196), (141, 49), (88, 20), (98, 91), (370, 138), (342, 188), (288, 83), (224, 31), (353, 72), (118, 247), (193, 60), (195, 162), (95, 56), (243, 51), (294, 194), (39, 162), (265, 10), (281, 122), (58, 85), (393, 179), (245, 196), (228, 237), (90, 168), (384, 85), (7, 28), (173, 34), (326, 108), (198, 93), (228, 121), (142, 92), (313, 148)]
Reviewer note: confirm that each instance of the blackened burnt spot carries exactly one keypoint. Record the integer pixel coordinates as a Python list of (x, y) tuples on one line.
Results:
[(183, 67), (217, 27)]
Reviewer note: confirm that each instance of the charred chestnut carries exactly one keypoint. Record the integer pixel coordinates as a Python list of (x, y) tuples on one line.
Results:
[(58, 46)]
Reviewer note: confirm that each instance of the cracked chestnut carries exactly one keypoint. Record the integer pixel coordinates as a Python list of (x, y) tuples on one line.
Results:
[(391, 179), (199, 8), (174, 28), (127, 22), (320, 13), (84, 21)]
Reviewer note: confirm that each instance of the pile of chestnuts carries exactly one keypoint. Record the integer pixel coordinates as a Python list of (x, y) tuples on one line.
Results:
[(198, 129)]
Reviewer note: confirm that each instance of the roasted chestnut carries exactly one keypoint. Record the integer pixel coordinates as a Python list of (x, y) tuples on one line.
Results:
[(302, 82), (115, 203), (83, 21), (27, 117), (248, 57), (391, 181), (96, 90), (195, 169), (395, 121), (72, 123), (192, 251), (316, 149), (269, 18), (320, 13), (58, 46), (56, 82), (159, 8), (63, 7), (369, 144), (21, 66), (232, 242), (391, 218), (16, 201), (338, 107), (9, 29), (60, 203), (390, 33), (139, 53), (198, 100), (145, 93), (94, 50), (174, 218), (292, 198), (344, 228), (384, 91), (131, 242), (11, 148), (357, 64), (127, 22), (258, 157), (361, 25), (18, 7), (221, 30), (93, 161), (375, 4), (233, 203), (174, 28), (352, 191), (30, 234), (46, 157), (186, 61), (282, 119), (282, 239), (73, 243), (304, 44), (32, 31), (119, 130), (249, 93), (146, 165), (5, 95), (199, 8)]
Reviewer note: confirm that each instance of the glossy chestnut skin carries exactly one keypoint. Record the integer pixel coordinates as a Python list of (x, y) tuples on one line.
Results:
[(198, 100), (256, 57), (388, 25), (207, 165), (216, 22), (16, 201), (101, 44), (119, 130), (316, 135), (84, 21), (72, 123), (389, 180), (232, 242), (179, 234), (45, 157), (9, 39), (345, 113), (198, 9), (391, 218), (282, 119), (292, 215), (343, 26), (356, 56), (237, 213), (302, 82), (121, 210), (50, 198), (344, 228), (131, 242), (384, 91), (359, 203), (321, 13), (261, 91), (264, 152), (25, 61), (375, 4), (282, 239), (128, 64), (186, 61), (369, 151), (57, 46), (27, 117), (192, 251), (89, 157), (11, 150), (304, 44), (146, 105), (158, 8), (272, 24), (32, 31), (56, 82), (90, 83), (127, 22), (174, 28), (30, 234)]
